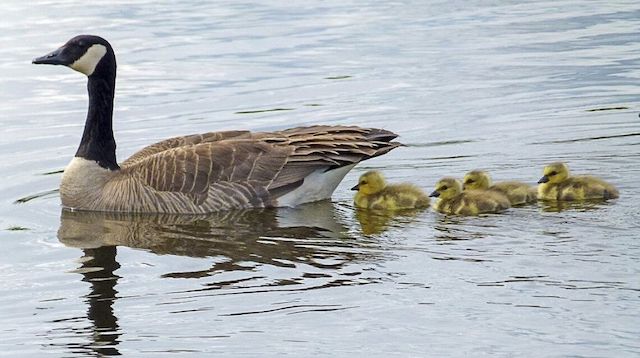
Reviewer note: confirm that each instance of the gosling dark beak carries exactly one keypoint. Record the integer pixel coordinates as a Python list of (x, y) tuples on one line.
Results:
[(57, 57), (435, 194), (544, 179), (357, 187)]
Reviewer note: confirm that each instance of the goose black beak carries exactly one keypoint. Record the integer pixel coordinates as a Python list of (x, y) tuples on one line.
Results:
[(435, 194), (544, 179), (357, 187), (57, 57)]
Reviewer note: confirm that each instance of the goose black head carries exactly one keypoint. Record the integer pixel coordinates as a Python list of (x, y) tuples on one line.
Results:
[(88, 54)]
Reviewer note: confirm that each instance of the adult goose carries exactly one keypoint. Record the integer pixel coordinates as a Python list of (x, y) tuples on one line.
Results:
[(200, 173)]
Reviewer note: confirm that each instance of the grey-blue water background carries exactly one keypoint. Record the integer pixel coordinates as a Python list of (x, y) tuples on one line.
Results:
[(505, 86)]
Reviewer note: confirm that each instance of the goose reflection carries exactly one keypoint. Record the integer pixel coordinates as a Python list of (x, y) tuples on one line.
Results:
[(312, 236), (98, 266), (239, 236)]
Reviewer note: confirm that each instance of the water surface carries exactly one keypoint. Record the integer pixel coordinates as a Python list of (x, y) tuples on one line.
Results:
[(504, 86)]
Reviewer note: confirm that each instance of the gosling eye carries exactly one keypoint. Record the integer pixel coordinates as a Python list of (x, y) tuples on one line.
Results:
[(443, 188), (552, 173), (364, 182), (470, 181)]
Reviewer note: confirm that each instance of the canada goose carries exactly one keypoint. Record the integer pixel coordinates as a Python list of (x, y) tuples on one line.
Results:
[(374, 193), (518, 193), (452, 200), (557, 184), (200, 173)]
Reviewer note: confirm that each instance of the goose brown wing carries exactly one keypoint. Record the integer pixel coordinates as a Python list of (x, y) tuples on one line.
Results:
[(337, 146), (253, 169), (176, 142), (227, 173), (325, 148)]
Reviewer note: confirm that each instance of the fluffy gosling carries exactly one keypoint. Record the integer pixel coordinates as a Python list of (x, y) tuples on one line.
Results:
[(557, 184), (374, 193), (452, 200), (518, 193)]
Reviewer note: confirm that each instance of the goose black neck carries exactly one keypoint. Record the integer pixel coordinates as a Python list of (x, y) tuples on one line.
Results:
[(97, 141)]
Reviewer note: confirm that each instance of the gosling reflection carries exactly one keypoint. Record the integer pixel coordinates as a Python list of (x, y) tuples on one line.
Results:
[(373, 222), (450, 228), (582, 205)]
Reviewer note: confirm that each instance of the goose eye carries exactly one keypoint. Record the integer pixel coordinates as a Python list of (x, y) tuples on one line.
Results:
[(443, 188), (364, 182), (553, 173), (470, 181)]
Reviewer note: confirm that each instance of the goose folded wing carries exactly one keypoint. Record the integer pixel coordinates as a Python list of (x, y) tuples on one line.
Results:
[(333, 146), (225, 174), (251, 169), (183, 141)]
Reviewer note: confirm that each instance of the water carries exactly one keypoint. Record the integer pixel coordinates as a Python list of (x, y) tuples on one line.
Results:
[(502, 86)]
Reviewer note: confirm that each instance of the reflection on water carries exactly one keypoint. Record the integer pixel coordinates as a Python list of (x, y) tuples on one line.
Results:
[(239, 241), (97, 268), (579, 205), (373, 222), (451, 228), (270, 236)]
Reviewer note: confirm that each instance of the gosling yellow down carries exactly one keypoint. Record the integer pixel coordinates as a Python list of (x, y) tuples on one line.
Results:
[(518, 193), (374, 193), (452, 200), (557, 184)]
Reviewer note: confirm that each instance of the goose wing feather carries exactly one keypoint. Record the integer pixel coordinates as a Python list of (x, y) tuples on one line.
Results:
[(251, 169), (182, 141), (235, 173)]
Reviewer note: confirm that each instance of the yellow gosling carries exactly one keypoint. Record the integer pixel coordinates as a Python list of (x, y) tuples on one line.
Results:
[(557, 184), (374, 193), (452, 200), (518, 193)]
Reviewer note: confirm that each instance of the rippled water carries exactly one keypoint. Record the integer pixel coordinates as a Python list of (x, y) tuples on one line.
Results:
[(505, 86)]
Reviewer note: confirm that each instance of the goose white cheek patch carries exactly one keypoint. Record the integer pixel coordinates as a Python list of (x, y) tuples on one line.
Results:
[(88, 62)]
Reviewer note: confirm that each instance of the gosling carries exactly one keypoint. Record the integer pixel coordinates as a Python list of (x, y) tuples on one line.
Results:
[(374, 193), (518, 193), (557, 184), (452, 200)]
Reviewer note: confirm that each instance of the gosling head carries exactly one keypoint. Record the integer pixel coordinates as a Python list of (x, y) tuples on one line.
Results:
[(476, 179), (370, 182), (88, 54), (554, 173), (447, 188)]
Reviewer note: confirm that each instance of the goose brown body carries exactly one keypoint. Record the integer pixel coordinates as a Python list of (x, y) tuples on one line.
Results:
[(517, 192), (557, 184), (452, 200), (222, 170)]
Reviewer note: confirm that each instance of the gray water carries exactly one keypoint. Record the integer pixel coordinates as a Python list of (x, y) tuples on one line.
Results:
[(504, 86)]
